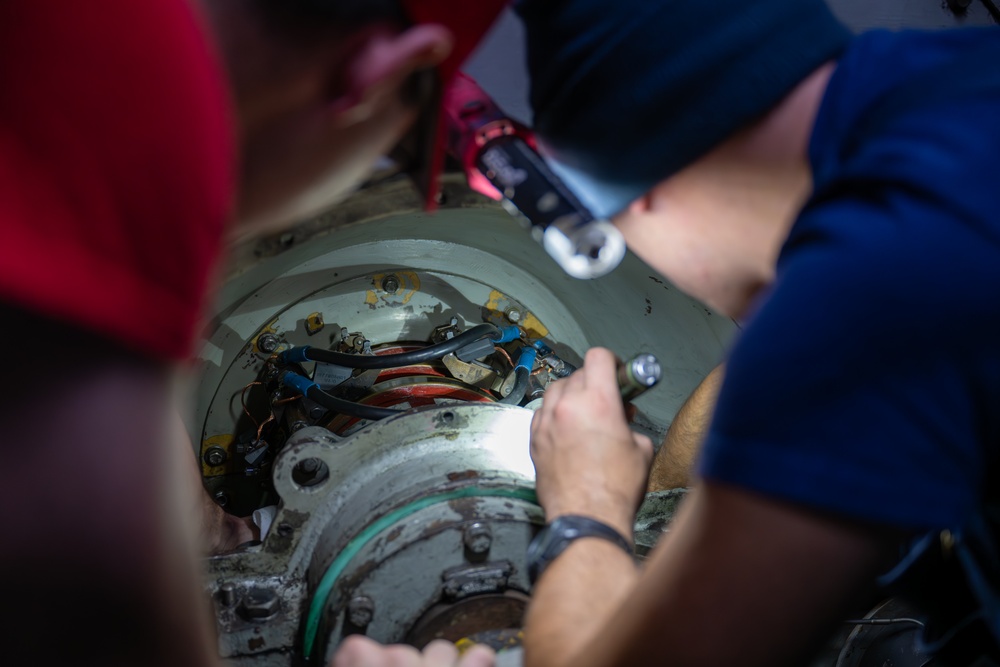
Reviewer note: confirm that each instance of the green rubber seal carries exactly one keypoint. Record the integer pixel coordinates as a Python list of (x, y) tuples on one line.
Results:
[(373, 530)]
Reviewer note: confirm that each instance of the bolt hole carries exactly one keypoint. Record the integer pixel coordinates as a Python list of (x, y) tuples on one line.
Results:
[(310, 472), (285, 529), (448, 417)]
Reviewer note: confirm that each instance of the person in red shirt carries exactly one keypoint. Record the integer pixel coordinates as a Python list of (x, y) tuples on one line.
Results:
[(132, 136)]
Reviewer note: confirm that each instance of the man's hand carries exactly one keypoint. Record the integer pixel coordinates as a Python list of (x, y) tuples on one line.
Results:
[(359, 651), (587, 459)]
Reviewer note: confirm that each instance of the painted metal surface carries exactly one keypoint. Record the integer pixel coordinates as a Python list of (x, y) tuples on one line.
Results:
[(388, 520)]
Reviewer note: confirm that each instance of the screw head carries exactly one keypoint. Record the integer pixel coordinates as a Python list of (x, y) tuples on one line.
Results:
[(258, 604), (390, 284), (215, 456), (478, 538), (316, 411), (267, 343), (360, 611), (513, 315)]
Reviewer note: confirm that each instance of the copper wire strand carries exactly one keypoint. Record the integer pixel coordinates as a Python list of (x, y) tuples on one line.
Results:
[(271, 417), (243, 401), (504, 353)]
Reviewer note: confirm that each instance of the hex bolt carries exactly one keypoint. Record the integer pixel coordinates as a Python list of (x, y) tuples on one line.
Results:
[(310, 465), (216, 456), (227, 594), (316, 411), (360, 611), (258, 604), (514, 315), (478, 538), (390, 284), (267, 343)]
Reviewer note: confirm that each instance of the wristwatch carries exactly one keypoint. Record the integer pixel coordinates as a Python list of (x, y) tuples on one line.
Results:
[(553, 539)]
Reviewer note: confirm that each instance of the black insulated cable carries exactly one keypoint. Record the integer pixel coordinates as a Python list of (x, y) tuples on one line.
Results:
[(310, 389), (522, 377), (420, 356), (359, 410)]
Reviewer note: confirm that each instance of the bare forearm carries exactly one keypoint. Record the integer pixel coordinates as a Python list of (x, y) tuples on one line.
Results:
[(674, 464), (732, 567), (574, 599)]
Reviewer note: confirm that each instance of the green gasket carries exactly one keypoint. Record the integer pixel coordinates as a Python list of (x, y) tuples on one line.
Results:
[(372, 531)]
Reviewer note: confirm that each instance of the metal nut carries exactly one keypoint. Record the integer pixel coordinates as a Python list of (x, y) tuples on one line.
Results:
[(259, 603), (360, 611), (390, 284), (267, 343), (478, 538), (216, 456)]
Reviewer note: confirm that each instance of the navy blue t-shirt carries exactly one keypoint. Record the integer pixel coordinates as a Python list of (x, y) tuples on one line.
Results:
[(867, 382)]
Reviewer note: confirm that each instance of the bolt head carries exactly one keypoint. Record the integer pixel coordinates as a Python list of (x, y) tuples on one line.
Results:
[(478, 538), (513, 315), (259, 603), (390, 284), (267, 343), (216, 456), (227, 594), (360, 611)]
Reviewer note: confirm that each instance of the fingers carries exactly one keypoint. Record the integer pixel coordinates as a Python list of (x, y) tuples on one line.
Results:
[(643, 443), (601, 366), (360, 651), (440, 652), (478, 656)]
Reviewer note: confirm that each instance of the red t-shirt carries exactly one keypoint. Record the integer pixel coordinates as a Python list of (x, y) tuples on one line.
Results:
[(116, 166)]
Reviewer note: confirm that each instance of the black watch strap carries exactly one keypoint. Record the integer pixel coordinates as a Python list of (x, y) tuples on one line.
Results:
[(554, 539)]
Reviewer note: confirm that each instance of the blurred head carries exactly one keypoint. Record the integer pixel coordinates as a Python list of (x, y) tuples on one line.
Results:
[(623, 99), (641, 112), (322, 89)]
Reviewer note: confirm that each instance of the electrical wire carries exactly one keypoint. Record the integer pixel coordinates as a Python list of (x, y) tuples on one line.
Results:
[(420, 356), (521, 378), (497, 348), (246, 411), (360, 410)]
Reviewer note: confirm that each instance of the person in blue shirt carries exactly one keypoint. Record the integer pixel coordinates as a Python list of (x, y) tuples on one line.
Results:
[(838, 195)]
